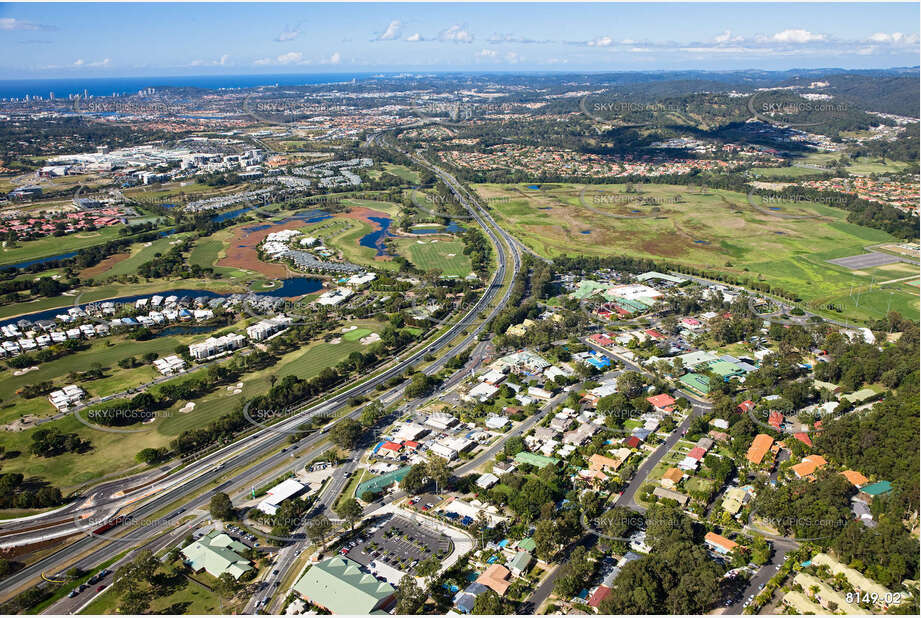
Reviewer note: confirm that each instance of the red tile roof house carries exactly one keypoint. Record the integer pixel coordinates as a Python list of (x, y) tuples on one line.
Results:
[(697, 453), (654, 334), (803, 437), (600, 594), (633, 442), (600, 339), (391, 448), (775, 419), (746, 406), (663, 402)]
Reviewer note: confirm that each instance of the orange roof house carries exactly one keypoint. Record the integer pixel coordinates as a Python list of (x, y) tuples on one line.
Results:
[(602, 463), (808, 466), (719, 543), (672, 477), (496, 578), (759, 448), (662, 402), (804, 438), (856, 478)]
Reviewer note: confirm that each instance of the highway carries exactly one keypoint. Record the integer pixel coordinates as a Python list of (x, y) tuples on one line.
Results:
[(287, 557), (207, 471)]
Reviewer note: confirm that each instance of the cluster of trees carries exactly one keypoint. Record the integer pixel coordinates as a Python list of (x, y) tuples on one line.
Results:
[(478, 249), (52, 441), (809, 510), (173, 263), (15, 493), (676, 577)]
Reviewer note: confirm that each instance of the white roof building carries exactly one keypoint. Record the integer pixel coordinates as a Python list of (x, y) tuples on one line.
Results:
[(278, 494)]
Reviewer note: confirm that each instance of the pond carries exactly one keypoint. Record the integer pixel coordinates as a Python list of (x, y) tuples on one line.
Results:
[(375, 239), (289, 288)]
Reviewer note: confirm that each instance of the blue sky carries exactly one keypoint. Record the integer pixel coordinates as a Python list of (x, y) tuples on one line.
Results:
[(72, 40)]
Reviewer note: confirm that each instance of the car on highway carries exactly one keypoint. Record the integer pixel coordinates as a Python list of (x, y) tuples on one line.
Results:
[(101, 588)]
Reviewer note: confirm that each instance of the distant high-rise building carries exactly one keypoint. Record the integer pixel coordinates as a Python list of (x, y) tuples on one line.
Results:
[(51, 96)]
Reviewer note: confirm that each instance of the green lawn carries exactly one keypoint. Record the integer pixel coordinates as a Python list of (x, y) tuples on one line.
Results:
[(445, 255), (52, 245), (185, 597), (717, 230)]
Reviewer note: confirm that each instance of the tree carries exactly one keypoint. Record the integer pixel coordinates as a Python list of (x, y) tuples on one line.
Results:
[(227, 586), (350, 511), (410, 597), (428, 567), (346, 433), (371, 413), (416, 480), (488, 604), (318, 529), (438, 470), (630, 383), (221, 507)]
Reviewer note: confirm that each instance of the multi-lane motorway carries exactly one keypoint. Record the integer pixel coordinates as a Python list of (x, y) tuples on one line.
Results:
[(211, 469)]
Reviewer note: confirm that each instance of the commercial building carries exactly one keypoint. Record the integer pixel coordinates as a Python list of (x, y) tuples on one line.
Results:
[(278, 494), (339, 585), (217, 553)]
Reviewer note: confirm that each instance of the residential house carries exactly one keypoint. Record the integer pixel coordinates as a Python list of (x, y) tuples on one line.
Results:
[(719, 543), (671, 478), (496, 578), (668, 494)]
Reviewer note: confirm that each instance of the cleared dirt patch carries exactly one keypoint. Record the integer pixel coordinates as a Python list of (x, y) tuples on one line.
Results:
[(243, 253), (104, 265)]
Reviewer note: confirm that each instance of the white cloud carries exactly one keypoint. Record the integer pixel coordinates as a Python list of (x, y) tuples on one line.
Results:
[(101, 63), (79, 62), (895, 38), (290, 58), (262, 61), (336, 58), (457, 34), (288, 34), (11, 23), (512, 57), (727, 37), (797, 35), (224, 59), (487, 53), (414, 38), (392, 32), (601, 41)]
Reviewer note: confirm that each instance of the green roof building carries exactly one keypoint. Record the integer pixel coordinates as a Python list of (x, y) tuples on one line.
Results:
[(340, 586), (217, 554), (528, 544), (382, 482), (538, 461), (588, 287), (696, 382), (869, 492), (726, 369), (520, 563)]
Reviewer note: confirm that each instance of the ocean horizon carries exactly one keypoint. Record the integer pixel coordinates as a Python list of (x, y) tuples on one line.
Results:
[(106, 86)]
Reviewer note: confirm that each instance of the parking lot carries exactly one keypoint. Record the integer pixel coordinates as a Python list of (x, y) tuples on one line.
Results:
[(399, 543)]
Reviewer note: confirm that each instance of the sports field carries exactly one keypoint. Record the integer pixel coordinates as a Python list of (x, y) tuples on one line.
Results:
[(719, 230)]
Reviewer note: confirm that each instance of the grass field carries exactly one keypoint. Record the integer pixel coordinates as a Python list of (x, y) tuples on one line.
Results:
[(445, 255), (50, 245), (717, 230), (142, 253), (185, 597), (114, 452)]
